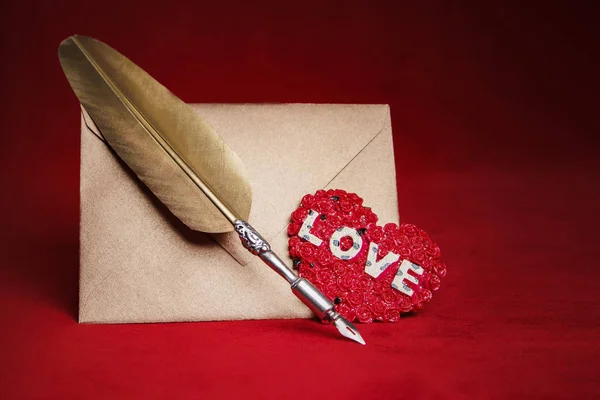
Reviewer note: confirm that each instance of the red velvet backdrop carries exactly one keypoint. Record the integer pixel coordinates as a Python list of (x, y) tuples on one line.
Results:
[(495, 115)]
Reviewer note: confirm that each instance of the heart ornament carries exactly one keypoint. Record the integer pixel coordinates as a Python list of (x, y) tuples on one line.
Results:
[(371, 273)]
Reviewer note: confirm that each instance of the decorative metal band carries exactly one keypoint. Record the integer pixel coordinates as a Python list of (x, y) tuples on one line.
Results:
[(250, 238)]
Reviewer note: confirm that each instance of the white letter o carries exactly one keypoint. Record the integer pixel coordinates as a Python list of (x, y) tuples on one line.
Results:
[(334, 243)]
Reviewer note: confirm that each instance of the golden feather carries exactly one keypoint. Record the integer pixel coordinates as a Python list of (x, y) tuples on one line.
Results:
[(177, 154)]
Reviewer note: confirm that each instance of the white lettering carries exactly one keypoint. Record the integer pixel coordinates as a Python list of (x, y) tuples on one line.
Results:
[(374, 267), (335, 244), (402, 274), (307, 226)]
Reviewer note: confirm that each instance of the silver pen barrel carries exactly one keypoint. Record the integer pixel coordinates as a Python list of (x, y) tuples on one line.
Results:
[(301, 287)]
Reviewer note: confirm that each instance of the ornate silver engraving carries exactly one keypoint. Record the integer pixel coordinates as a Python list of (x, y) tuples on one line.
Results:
[(250, 238)]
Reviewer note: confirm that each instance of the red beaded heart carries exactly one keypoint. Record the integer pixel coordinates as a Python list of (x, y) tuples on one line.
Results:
[(358, 295)]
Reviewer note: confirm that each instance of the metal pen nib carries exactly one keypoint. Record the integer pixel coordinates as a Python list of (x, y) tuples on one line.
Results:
[(347, 329), (301, 287)]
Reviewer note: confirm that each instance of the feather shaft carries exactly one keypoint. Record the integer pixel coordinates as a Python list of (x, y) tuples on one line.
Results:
[(159, 139), (182, 150)]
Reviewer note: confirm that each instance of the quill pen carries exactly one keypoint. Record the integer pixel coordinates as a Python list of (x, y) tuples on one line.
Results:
[(176, 154)]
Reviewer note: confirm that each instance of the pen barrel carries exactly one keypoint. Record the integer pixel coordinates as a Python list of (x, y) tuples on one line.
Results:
[(277, 265), (313, 298), (302, 288)]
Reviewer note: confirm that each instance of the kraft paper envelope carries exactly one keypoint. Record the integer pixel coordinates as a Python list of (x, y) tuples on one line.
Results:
[(140, 264)]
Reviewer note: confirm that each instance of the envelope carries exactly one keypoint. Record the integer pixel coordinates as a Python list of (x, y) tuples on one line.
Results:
[(138, 263)]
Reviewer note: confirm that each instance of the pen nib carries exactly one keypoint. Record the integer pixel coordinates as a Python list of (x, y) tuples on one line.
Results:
[(347, 329)]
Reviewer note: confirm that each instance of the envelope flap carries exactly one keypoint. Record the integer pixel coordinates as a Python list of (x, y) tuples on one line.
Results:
[(292, 153), (298, 150)]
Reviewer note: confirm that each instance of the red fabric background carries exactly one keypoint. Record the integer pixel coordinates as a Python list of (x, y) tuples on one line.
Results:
[(495, 117)]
